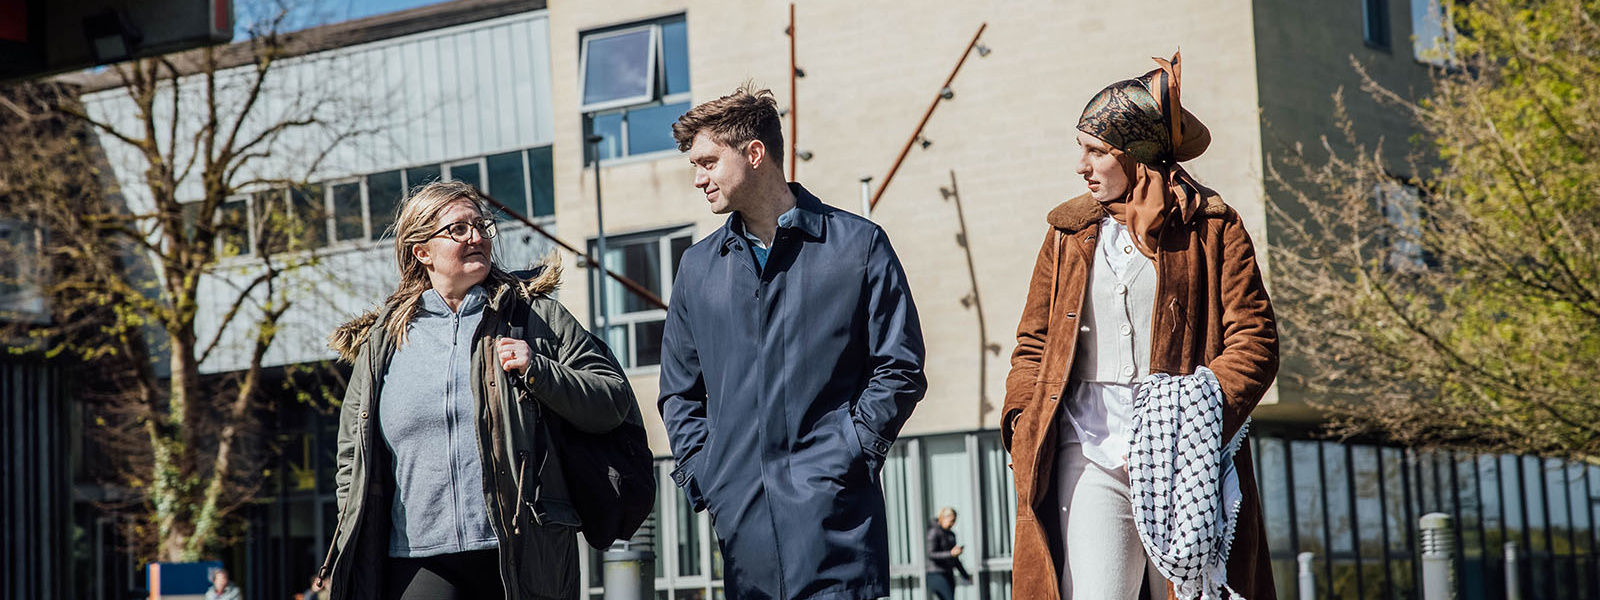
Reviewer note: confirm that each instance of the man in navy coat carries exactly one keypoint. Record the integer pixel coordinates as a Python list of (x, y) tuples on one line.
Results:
[(791, 358)]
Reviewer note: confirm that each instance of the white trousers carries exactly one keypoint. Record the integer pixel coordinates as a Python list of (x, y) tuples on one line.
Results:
[(1104, 558)]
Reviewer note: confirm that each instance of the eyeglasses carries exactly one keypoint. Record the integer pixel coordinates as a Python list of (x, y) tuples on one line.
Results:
[(461, 231)]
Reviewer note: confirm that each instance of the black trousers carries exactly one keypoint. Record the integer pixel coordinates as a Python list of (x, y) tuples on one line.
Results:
[(458, 576), (941, 585)]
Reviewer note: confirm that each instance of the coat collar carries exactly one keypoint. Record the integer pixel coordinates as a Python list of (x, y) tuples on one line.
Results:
[(1078, 213), (809, 217)]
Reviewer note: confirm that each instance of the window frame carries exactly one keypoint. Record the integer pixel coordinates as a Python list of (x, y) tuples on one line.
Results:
[(663, 238), (657, 97), (652, 82), (1379, 18), (333, 216)]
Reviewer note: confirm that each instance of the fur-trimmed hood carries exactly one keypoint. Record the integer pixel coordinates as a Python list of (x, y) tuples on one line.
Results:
[(540, 280), (1082, 211)]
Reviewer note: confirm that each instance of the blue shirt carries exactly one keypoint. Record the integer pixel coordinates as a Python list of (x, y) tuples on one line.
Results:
[(757, 248)]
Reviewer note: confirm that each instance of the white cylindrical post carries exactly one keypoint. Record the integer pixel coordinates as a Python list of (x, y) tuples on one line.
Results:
[(1438, 554)]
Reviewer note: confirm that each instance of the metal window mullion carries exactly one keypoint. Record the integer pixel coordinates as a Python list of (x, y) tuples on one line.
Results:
[(1289, 504), (974, 448), (527, 183), (1383, 520), (667, 529), (1355, 513), (366, 210), (1327, 516)]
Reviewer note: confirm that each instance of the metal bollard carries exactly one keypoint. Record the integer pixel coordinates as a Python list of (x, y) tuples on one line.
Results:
[(1513, 586), (1438, 553), (1308, 576), (630, 572)]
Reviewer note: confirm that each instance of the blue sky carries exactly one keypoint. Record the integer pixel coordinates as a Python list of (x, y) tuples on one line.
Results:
[(317, 12)]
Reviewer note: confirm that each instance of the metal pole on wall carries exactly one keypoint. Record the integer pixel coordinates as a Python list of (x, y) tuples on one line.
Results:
[(1513, 586), (1307, 576), (866, 197), (1438, 549), (599, 321)]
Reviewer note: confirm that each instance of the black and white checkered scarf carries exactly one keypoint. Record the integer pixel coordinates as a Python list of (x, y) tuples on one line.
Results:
[(1184, 483)]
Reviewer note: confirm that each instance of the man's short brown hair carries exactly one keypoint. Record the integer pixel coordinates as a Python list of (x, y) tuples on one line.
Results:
[(735, 120)]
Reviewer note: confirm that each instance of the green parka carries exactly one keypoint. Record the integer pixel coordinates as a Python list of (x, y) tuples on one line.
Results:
[(572, 374)]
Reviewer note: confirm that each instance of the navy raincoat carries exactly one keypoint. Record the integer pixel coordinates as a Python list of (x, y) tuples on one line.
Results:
[(782, 388)]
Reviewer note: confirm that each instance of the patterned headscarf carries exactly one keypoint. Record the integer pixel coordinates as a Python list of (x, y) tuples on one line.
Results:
[(1150, 133)]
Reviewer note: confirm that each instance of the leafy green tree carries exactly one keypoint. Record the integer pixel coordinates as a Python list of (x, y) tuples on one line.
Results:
[(1459, 306)]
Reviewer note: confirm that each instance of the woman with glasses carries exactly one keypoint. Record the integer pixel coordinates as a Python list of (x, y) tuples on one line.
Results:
[(445, 485)]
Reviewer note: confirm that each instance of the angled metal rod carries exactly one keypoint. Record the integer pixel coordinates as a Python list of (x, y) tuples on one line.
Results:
[(937, 96), (633, 286)]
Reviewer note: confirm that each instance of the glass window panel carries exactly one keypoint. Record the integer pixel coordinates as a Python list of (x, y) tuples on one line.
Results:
[(1577, 498), (1375, 22), (647, 342), (640, 262), (1270, 472), (1396, 518), (947, 480), (347, 218), (1307, 495), (384, 192), (1470, 515), (617, 338), (1369, 505), (271, 221), (999, 498), (1556, 524), (675, 56), (617, 66), (688, 533), (1429, 38), (191, 214), (468, 173), (1341, 515), (233, 230), (650, 128), (905, 537), (310, 217), (597, 569), (541, 175), (609, 127), (679, 245), (418, 176), (506, 183)]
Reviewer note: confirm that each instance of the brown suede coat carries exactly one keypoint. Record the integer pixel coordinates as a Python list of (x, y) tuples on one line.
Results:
[(1211, 310)]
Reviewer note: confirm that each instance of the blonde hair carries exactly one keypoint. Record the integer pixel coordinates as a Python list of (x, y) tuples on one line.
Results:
[(416, 224)]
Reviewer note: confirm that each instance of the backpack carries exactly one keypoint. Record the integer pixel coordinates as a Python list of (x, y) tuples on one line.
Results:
[(611, 476)]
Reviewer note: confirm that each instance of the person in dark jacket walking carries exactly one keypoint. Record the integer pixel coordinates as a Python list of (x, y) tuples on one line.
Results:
[(791, 357), (944, 557), (444, 485)]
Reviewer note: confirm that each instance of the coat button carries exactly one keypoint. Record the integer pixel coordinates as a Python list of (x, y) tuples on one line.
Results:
[(1072, 315), (491, 383), (1126, 329), (363, 414), (1127, 371), (1122, 289)]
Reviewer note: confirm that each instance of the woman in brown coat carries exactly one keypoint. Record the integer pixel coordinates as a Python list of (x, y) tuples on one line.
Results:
[(1148, 272)]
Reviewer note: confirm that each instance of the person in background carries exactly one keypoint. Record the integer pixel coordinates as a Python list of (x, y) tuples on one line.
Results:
[(222, 588), (944, 556)]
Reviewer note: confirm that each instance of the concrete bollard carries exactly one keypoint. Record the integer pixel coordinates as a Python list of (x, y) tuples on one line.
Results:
[(1513, 570), (630, 572), (1438, 554), (1308, 576)]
